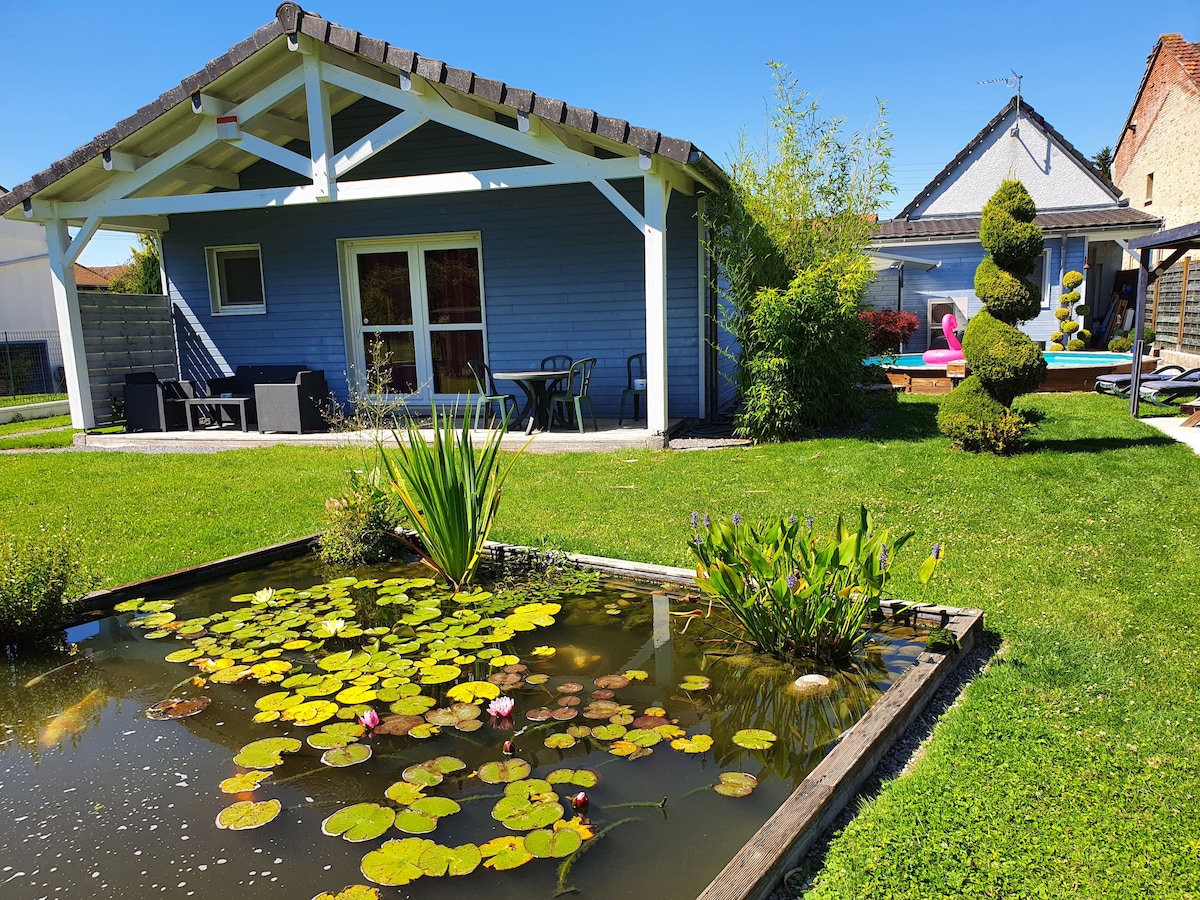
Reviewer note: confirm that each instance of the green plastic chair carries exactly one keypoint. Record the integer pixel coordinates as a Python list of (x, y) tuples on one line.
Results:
[(576, 392), (486, 386), (636, 367), (560, 361)]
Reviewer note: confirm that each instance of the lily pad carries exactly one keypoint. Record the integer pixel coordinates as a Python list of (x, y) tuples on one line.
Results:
[(130, 605), (612, 682), (608, 732), (438, 807), (559, 741), (247, 814), (278, 701), (405, 792), (352, 892), (696, 744), (473, 691), (696, 683), (637, 675), (267, 753), (450, 716), (461, 860), (176, 708), (736, 784), (184, 655), (413, 706), (547, 844), (584, 778), (525, 813), (538, 714), (433, 771), (313, 712), (410, 821), (244, 783), (350, 755), (505, 853), (399, 725), (570, 687), (360, 822), (505, 771), (439, 674), (396, 862), (755, 739)]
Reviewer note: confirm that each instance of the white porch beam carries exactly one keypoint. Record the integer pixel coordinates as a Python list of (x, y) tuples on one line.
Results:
[(273, 124), (374, 189), (81, 239), (655, 231), (70, 326), (125, 184), (281, 156), (623, 206), (207, 105), (320, 129), (377, 141), (277, 91), (203, 175), (116, 161)]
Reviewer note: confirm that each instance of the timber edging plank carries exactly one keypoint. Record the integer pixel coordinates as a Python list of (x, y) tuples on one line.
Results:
[(784, 839)]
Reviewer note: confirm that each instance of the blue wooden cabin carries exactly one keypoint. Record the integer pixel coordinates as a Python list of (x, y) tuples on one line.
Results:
[(317, 192)]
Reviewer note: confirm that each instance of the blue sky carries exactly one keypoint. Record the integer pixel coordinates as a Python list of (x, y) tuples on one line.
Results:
[(694, 70)]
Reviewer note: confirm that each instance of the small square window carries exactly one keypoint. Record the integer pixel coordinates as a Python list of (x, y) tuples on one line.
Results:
[(235, 280)]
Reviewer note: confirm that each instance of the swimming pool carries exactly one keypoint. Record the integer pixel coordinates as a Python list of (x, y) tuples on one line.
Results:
[(1055, 359)]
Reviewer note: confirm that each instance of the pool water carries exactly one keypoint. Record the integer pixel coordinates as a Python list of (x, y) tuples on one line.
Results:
[(105, 802), (1056, 359)]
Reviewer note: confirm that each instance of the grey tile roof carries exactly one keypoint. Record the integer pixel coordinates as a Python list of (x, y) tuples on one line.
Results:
[(1058, 220), (291, 19)]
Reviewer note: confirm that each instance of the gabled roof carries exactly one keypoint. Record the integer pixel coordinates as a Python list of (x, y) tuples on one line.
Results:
[(1025, 110), (1118, 218), (86, 277), (291, 20), (1185, 53)]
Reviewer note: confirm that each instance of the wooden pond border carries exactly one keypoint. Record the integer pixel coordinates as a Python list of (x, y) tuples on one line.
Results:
[(780, 844)]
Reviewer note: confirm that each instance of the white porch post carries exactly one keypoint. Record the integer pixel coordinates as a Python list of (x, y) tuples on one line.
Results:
[(70, 326), (655, 230)]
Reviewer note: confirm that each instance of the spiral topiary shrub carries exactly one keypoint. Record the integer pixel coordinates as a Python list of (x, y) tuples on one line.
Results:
[(1004, 362)]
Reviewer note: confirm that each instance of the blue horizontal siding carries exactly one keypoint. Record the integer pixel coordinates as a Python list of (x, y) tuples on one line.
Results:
[(563, 272), (955, 279)]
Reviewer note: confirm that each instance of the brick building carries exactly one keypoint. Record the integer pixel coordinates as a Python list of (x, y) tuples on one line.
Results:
[(1157, 167)]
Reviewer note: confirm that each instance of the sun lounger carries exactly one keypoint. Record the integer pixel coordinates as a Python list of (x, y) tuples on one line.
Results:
[(1159, 392), (1119, 384)]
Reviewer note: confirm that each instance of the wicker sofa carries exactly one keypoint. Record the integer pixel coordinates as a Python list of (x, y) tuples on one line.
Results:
[(278, 398)]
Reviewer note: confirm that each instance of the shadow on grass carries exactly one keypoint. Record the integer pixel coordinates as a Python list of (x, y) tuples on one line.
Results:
[(1095, 444), (904, 753), (890, 420)]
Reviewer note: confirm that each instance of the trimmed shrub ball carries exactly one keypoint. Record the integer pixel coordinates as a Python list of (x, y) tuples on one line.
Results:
[(1007, 297)]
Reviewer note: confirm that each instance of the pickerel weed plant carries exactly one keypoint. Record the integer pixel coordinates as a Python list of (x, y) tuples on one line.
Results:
[(451, 493), (794, 593)]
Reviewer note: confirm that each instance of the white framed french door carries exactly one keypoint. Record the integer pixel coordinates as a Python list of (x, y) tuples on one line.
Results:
[(414, 313)]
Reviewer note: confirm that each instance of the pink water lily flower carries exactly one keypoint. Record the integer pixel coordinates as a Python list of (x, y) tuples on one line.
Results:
[(369, 719), (501, 707)]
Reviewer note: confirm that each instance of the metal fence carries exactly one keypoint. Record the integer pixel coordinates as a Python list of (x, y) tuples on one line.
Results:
[(31, 363)]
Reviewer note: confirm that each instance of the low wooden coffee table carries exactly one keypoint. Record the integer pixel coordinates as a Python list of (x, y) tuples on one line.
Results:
[(194, 404)]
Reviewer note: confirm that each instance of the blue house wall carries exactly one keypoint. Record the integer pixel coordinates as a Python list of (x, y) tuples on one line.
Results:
[(563, 270), (955, 279)]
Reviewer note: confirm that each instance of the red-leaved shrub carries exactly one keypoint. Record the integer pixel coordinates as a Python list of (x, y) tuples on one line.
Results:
[(889, 329)]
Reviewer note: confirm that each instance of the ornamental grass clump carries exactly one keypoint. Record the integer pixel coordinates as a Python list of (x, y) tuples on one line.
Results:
[(450, 492), (797, 594), (41, 583)]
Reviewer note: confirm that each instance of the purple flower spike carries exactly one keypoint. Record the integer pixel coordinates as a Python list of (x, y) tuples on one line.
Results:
[(699, 540), (737, 518), (809, 522), (695, 519), (792, 520), (937, 551), (883, 556), (707, 521), (791, 581)]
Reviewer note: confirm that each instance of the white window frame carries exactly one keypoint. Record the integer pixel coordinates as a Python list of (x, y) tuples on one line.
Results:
[(1044, 287), (211, 255), (421, 329)]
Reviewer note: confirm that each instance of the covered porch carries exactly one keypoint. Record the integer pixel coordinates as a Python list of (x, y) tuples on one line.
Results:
[(314, 190)]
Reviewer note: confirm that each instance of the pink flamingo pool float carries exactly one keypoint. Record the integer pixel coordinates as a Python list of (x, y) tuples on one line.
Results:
[(954, 354)]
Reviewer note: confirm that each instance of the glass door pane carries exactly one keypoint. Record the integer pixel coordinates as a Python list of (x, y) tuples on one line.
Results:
[(452, 281), (451, 351), (391, 362), (385, 289)]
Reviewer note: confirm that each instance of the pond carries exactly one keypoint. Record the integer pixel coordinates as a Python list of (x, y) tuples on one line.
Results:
[(99, 799)]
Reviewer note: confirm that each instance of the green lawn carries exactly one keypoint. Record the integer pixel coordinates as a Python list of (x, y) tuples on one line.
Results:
[(34, 425), (23, 399), (1071, 767)]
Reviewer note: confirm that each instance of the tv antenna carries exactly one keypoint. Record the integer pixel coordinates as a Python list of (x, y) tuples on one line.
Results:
[(1012, 82)]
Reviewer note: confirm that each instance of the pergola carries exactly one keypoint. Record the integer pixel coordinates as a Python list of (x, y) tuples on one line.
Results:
[(184, 154), (1174, 243)]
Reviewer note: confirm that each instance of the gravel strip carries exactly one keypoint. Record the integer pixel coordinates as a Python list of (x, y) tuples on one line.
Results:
[(905, 753)]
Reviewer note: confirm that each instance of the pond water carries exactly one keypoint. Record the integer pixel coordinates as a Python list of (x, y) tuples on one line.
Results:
[(97, 799)]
